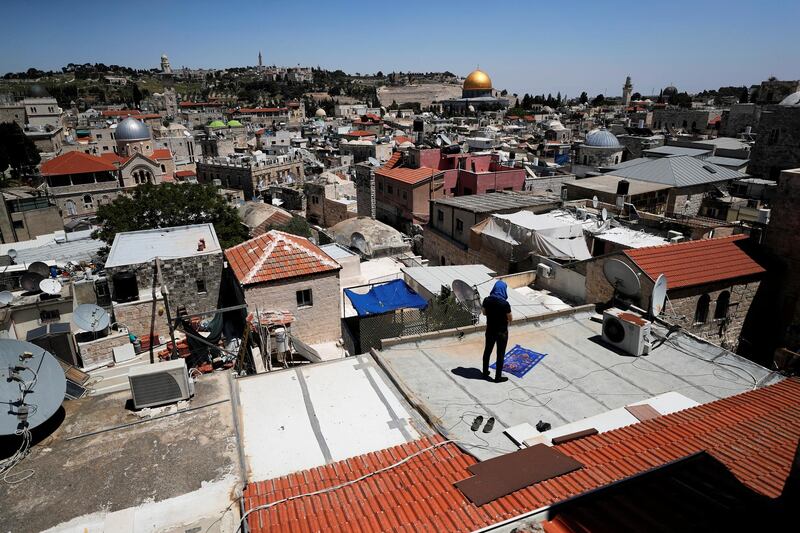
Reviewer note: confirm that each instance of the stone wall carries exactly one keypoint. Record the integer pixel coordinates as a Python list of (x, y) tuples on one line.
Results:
[(365, 191), (777, 145), (136, 317), (101, 352), (319, 322), (441, 250), (678, 198), (738, 118), (335, 212)]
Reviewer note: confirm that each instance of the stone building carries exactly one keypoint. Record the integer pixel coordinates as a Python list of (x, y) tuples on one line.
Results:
[(477, 95), (637, 140), (711, 302), (689, 120), (329, 199), (365, 189), (627, 91), (190, 267), (251, 174), (26, 213), (772, 91), (80, 183), (739, 119), (364, 150), (777, 145), (286, 273), (600, 149)]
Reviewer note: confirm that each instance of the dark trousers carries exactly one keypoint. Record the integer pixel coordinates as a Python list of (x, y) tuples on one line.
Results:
[(501, 340)]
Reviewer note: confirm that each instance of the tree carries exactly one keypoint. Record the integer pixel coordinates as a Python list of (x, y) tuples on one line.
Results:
[(598, 100), (584, 99), (16, 149), (745, 96), (167, 205), (296, 226), (636, 96)]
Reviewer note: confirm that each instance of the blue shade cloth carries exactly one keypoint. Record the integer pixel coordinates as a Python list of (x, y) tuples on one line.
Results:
[(561, 159), (519, 361), (386, 297)]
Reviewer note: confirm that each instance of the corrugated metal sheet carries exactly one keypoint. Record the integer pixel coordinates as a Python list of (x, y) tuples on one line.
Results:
[(676, 171)]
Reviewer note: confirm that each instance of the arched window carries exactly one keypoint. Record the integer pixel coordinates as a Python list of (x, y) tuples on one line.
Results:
[(87, 200), (163, 169), (616, 160), (723, 300), (701, 312), (685, 124), (71, 208)]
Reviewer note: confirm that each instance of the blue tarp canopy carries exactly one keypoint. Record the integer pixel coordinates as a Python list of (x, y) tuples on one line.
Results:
[(386, 297)]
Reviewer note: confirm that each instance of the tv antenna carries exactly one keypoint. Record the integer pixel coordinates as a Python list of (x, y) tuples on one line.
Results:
[(659, 297), (622, 277), (468, 296)]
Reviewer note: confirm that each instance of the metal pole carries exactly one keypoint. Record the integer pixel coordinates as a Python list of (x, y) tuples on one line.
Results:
[(153, 310)]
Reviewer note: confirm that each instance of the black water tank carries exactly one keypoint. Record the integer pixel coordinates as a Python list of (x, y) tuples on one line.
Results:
[(126, 289), (622, 187), (419, 125), (452, 149)]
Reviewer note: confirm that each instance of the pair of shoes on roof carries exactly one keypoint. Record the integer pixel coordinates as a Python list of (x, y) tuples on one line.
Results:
[(479, 420)]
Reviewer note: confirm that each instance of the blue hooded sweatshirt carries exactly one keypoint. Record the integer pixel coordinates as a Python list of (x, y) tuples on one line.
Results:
[(497, 308)]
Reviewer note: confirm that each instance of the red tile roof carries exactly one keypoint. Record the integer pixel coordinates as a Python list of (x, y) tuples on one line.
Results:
[(360, 133), (111, 157), (76, 163), (161, 153), (753, 434), (277, 255), (407, 175), (120, 113), (400, 139), (393, 161), (691, 263), (260, 110), (185, 173)]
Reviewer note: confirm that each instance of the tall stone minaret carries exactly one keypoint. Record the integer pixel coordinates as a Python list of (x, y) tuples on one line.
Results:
[(260, 62), (627, 90)]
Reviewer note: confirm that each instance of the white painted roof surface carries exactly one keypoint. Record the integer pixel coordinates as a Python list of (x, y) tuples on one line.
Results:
[(317, 414), (630, 237), (136, 247)]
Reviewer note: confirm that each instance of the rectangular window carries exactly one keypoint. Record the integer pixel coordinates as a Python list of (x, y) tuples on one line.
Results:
[(459, 225), (389, 189), (440, 215), (304, 298), (405, 196), (19, 224), (201, 286), (380, 185), (49, 315)]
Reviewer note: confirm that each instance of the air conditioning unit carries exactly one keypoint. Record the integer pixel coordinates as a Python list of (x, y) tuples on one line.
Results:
[(544, 271), (627, 331), (160, 383)]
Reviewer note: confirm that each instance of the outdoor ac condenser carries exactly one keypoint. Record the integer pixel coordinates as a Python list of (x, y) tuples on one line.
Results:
[(544, 271), (627, 331), (160, 383)]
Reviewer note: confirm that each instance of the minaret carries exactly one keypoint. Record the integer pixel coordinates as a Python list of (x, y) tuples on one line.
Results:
[(165, 68), (260, 62), (627, 90)]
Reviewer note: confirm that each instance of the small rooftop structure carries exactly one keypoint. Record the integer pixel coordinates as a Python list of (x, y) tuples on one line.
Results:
[(60, 247), (136, 247), (675, 171), (75, 163), (664, 151), (370, 237), (690, 263), (494, 202)]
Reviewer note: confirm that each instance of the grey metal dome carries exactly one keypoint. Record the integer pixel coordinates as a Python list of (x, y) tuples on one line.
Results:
[(131, 129), (670, 90), (791, 100), (37, 91), (601, 138)]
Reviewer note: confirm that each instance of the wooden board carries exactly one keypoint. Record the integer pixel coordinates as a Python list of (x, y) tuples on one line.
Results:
[(574, 436), (643, 412)]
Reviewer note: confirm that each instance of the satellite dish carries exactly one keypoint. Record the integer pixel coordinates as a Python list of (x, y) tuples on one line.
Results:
[(468, 295), (50, 286), (30, 281), (37, 267), (595, 202), (90, 317), (44, 377), (12, 253), (604, 215), (659, 297), (6, 298), (622, 277)]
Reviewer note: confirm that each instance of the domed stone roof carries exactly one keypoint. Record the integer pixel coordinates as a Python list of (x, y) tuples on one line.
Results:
[(477, 79), (791, 100), (131, 129), (601, 138), (670, 90), (320, 113)]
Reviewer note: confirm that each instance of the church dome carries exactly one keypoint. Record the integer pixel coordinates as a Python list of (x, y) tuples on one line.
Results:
[(791, 100), (320, 113), (670, 90), (601, 138), (131, 129), (476, 80)]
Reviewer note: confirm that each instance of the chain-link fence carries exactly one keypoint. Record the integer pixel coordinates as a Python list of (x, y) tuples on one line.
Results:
[(362, 333)]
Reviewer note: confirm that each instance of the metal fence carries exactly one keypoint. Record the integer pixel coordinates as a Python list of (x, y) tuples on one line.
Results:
[(362, 333)]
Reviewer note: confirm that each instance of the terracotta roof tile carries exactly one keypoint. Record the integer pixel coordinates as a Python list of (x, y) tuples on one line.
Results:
[(692, 263), (161, 153), (393, 161), (76, 163), (407, 175), (277, 255), (360, 133), (754, 435)]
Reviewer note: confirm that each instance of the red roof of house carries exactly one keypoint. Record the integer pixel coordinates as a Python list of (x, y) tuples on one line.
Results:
[(753, 434), (161, 153), (393, 161), (260, 109), (691, 263), (112, 158), (360, 133), (407, 175), (400, 139), (120, 113), (277, 255), (185, 173), (76, 163)]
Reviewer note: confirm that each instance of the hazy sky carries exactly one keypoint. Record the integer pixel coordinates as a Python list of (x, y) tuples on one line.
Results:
[(527, 46)]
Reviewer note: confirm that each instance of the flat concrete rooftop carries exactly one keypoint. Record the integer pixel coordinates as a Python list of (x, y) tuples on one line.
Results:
[(579, 377)]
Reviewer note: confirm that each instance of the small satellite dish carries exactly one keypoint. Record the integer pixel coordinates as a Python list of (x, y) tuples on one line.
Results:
[(12, 253), (468, 295), (595, 202), (622, 277), (37, 267), (45, 391), (659, 297), (604, 215), (30, 281), (6, 298), (50, 286), (90, 317)]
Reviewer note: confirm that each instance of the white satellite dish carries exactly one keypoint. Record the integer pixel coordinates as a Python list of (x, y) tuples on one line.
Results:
[(12, 253), (604, 215), (50, 286), (595, 202), (622, 277), (659, 297), (90, 317), (468, 295), (6, 298)]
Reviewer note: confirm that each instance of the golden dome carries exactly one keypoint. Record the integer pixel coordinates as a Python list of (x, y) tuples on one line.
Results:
[(477, 79)]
